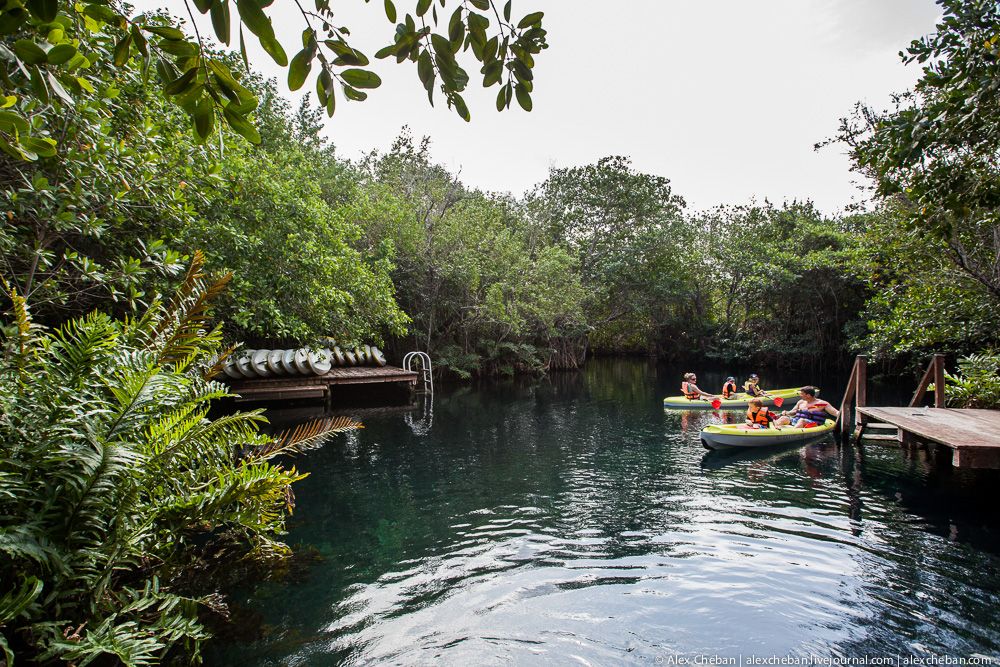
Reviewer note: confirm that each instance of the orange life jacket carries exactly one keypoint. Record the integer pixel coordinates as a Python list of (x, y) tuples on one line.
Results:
[(761, 416), (688, 393), (728, 389)]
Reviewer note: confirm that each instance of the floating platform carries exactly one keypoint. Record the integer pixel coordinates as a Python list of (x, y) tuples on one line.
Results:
[(972, 435), (318, 386)]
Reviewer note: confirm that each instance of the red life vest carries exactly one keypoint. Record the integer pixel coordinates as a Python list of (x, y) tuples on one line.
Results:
[(760, 417), (728, 389), (688, 393)]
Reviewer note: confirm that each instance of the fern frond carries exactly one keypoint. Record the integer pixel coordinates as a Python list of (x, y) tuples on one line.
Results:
[(309, 435), (15, 602)]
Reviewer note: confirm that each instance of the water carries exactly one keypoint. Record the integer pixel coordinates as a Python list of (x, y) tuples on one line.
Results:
[(574, 521)]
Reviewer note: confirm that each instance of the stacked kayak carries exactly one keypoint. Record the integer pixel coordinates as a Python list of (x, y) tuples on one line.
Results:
[(734, 403), (721, 436)]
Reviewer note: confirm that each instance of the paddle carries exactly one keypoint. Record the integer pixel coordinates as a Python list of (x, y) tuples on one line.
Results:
[(716, 403), (778, 400)]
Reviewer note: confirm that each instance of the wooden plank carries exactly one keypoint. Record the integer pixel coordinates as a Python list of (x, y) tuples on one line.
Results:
[(881, 426), (976, 458), (882, 437), (958, 429), (918, 395)]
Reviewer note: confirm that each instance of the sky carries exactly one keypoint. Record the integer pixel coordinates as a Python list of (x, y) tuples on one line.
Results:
[(726, 98)]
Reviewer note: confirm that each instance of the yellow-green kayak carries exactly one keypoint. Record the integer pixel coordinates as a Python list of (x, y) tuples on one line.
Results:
[(734, 403), (720, 436)]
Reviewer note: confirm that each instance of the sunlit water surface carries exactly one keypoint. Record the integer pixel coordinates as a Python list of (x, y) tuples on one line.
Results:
[(575, 521)]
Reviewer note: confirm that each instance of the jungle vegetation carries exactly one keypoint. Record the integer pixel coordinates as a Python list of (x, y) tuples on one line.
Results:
[(139, 163)]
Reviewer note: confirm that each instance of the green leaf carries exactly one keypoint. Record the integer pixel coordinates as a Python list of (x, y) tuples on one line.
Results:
[(204, 118), (181, 83), (29, 52), (506, 11), (461, 108), (44, 10), (273, 48), (255, 18), (60, 54), (390, 11), (41, 146), (122, 50), (58, 89), (106, 14), (523, 97), (530, 20), (164, 31), (360, 78), (425, 68), (8, 101), (481, 4), (241, 125), (299, 69), (11, 121), (503, 98), (354, 94), (180, 48), (221, 20), (38, 85), (423, 6), (203, 5)]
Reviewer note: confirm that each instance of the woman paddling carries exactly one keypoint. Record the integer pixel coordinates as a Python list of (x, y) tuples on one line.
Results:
[(808, 412), (690, 389)]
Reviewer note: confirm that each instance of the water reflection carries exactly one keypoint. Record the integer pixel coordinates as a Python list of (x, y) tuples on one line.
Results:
[(573, 520)]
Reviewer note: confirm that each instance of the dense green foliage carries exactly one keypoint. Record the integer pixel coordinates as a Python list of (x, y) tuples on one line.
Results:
[(486, 297), (114, 480), (933, 159), (48, 51), (977, 382)]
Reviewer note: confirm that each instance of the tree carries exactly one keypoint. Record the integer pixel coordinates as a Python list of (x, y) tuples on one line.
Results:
[(48, 50), (482, 298), (936, 154), (626, 232)]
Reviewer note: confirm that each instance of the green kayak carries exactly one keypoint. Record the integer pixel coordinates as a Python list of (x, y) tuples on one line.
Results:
[(721, 436), (734, 403)]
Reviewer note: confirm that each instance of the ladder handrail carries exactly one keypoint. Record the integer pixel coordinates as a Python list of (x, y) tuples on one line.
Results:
[(426, 370), (936, 370)]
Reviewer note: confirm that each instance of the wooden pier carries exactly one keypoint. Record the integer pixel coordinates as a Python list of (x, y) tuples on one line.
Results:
[(318, 386), (973, 436)]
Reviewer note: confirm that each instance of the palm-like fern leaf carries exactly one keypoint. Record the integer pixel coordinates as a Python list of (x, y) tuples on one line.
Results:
[(309, 435)]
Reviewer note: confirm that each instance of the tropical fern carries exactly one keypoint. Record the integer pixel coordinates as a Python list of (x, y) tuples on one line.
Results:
[(113, 476)]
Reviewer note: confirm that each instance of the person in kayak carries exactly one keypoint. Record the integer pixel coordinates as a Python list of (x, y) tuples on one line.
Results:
[(690, 389), (752, 386), (729, 389), (758, 416), (809, 411)]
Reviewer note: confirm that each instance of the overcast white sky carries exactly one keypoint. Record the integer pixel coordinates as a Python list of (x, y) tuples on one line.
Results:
[(724, 97)]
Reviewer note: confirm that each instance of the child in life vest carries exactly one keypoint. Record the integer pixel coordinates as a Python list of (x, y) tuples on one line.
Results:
[(758, 416)]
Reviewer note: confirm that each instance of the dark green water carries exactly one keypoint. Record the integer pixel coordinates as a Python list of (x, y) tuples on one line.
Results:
[(574, 521)]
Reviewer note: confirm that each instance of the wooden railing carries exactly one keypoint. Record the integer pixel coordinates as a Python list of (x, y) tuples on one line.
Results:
[(857, 390), (935, 373), (856, 393)]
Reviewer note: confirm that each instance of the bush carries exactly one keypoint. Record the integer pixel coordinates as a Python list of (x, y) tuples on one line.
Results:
[(113, 479), (977, 384)]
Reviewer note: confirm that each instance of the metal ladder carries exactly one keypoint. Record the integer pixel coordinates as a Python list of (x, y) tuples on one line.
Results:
[(423, 360)]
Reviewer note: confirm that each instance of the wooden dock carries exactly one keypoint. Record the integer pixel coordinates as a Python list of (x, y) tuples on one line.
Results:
[(972, 435), (318, 386)]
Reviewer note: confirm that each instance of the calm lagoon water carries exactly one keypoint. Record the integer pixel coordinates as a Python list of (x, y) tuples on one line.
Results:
[(575, 521)]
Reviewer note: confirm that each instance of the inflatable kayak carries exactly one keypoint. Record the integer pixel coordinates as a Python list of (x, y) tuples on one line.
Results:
[(719, 436), (738, 401)]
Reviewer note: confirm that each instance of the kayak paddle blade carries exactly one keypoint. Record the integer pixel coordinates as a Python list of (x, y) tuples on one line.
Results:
[(716, 403), (778, 400)]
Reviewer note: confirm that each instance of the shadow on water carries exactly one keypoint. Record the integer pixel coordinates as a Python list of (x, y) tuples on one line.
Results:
[(574, 519)]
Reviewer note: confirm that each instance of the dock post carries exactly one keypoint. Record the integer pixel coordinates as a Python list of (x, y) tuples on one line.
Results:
[(860, 393), (938, 380)]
